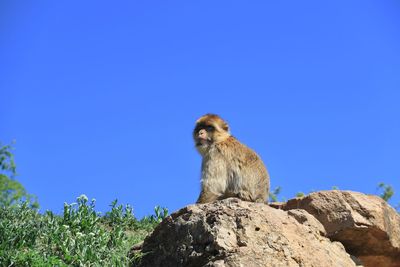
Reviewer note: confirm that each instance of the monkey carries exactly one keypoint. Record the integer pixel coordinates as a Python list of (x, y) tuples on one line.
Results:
[(229, 168)]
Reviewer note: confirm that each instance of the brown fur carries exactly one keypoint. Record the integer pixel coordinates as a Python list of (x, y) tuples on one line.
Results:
[(229, 168)]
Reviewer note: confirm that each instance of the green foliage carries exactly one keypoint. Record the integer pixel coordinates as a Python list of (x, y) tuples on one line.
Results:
[(387, 191), (273, 196), (79, 237), (11, 191), (300, 194), (7, 163), (136, 257), (120, 215), (159, 214)]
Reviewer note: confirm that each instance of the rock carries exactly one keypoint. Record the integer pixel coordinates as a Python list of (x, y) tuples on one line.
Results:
[(232, 233), (365, 224), (277, 205), (307, 219)]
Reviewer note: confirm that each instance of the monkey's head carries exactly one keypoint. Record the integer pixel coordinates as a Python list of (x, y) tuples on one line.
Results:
[(209, 129)]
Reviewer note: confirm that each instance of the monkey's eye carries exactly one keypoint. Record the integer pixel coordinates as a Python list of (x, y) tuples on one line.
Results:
[(210, 128)]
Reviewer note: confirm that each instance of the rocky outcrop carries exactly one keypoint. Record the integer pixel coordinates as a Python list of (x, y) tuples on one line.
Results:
[(232, 232), (365, 224), (321, 229)]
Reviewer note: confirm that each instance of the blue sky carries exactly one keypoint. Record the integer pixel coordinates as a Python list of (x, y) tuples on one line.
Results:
[(101, 97)]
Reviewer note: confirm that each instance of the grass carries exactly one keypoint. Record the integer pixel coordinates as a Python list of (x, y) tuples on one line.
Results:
[(78, 237)]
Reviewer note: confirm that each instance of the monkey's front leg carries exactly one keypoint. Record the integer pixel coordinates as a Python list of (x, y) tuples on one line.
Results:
[(206, 197)]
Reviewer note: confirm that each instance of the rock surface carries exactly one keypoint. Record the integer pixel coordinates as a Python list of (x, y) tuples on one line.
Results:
[(313, 230), (232, 232), (365, 224)]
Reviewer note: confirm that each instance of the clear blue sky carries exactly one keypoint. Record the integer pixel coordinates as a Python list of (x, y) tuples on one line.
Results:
[(101, 97)]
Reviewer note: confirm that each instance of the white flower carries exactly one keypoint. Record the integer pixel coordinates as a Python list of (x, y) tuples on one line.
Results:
[(83, 197)]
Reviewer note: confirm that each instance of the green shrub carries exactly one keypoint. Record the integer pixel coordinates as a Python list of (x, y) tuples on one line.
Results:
[(79, 237), (11, 191)]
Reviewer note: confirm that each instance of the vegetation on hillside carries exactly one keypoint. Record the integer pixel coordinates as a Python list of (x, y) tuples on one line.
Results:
[(11, 191), (79, 237)]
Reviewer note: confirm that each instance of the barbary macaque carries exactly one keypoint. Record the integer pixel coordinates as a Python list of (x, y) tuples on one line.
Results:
[(229, 168)]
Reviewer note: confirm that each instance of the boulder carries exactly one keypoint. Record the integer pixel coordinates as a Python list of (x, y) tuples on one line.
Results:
[(365, 224), (232, 232)]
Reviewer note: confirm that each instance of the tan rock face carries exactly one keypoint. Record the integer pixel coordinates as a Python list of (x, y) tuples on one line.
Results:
[(232, 232), (366, 225)]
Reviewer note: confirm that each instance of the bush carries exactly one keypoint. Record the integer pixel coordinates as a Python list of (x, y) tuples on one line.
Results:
[(11, 191), (79, 237)]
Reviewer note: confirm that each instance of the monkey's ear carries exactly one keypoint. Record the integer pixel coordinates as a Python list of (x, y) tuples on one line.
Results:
[(225, 127)]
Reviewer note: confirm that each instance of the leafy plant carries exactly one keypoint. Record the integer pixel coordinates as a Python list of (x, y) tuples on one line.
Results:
[(159, 214), (387, 191), (78, 237), (273, 196), (120, 215), (11, 191)]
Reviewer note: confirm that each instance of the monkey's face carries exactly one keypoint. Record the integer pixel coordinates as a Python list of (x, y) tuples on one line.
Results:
[(210, 129)]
